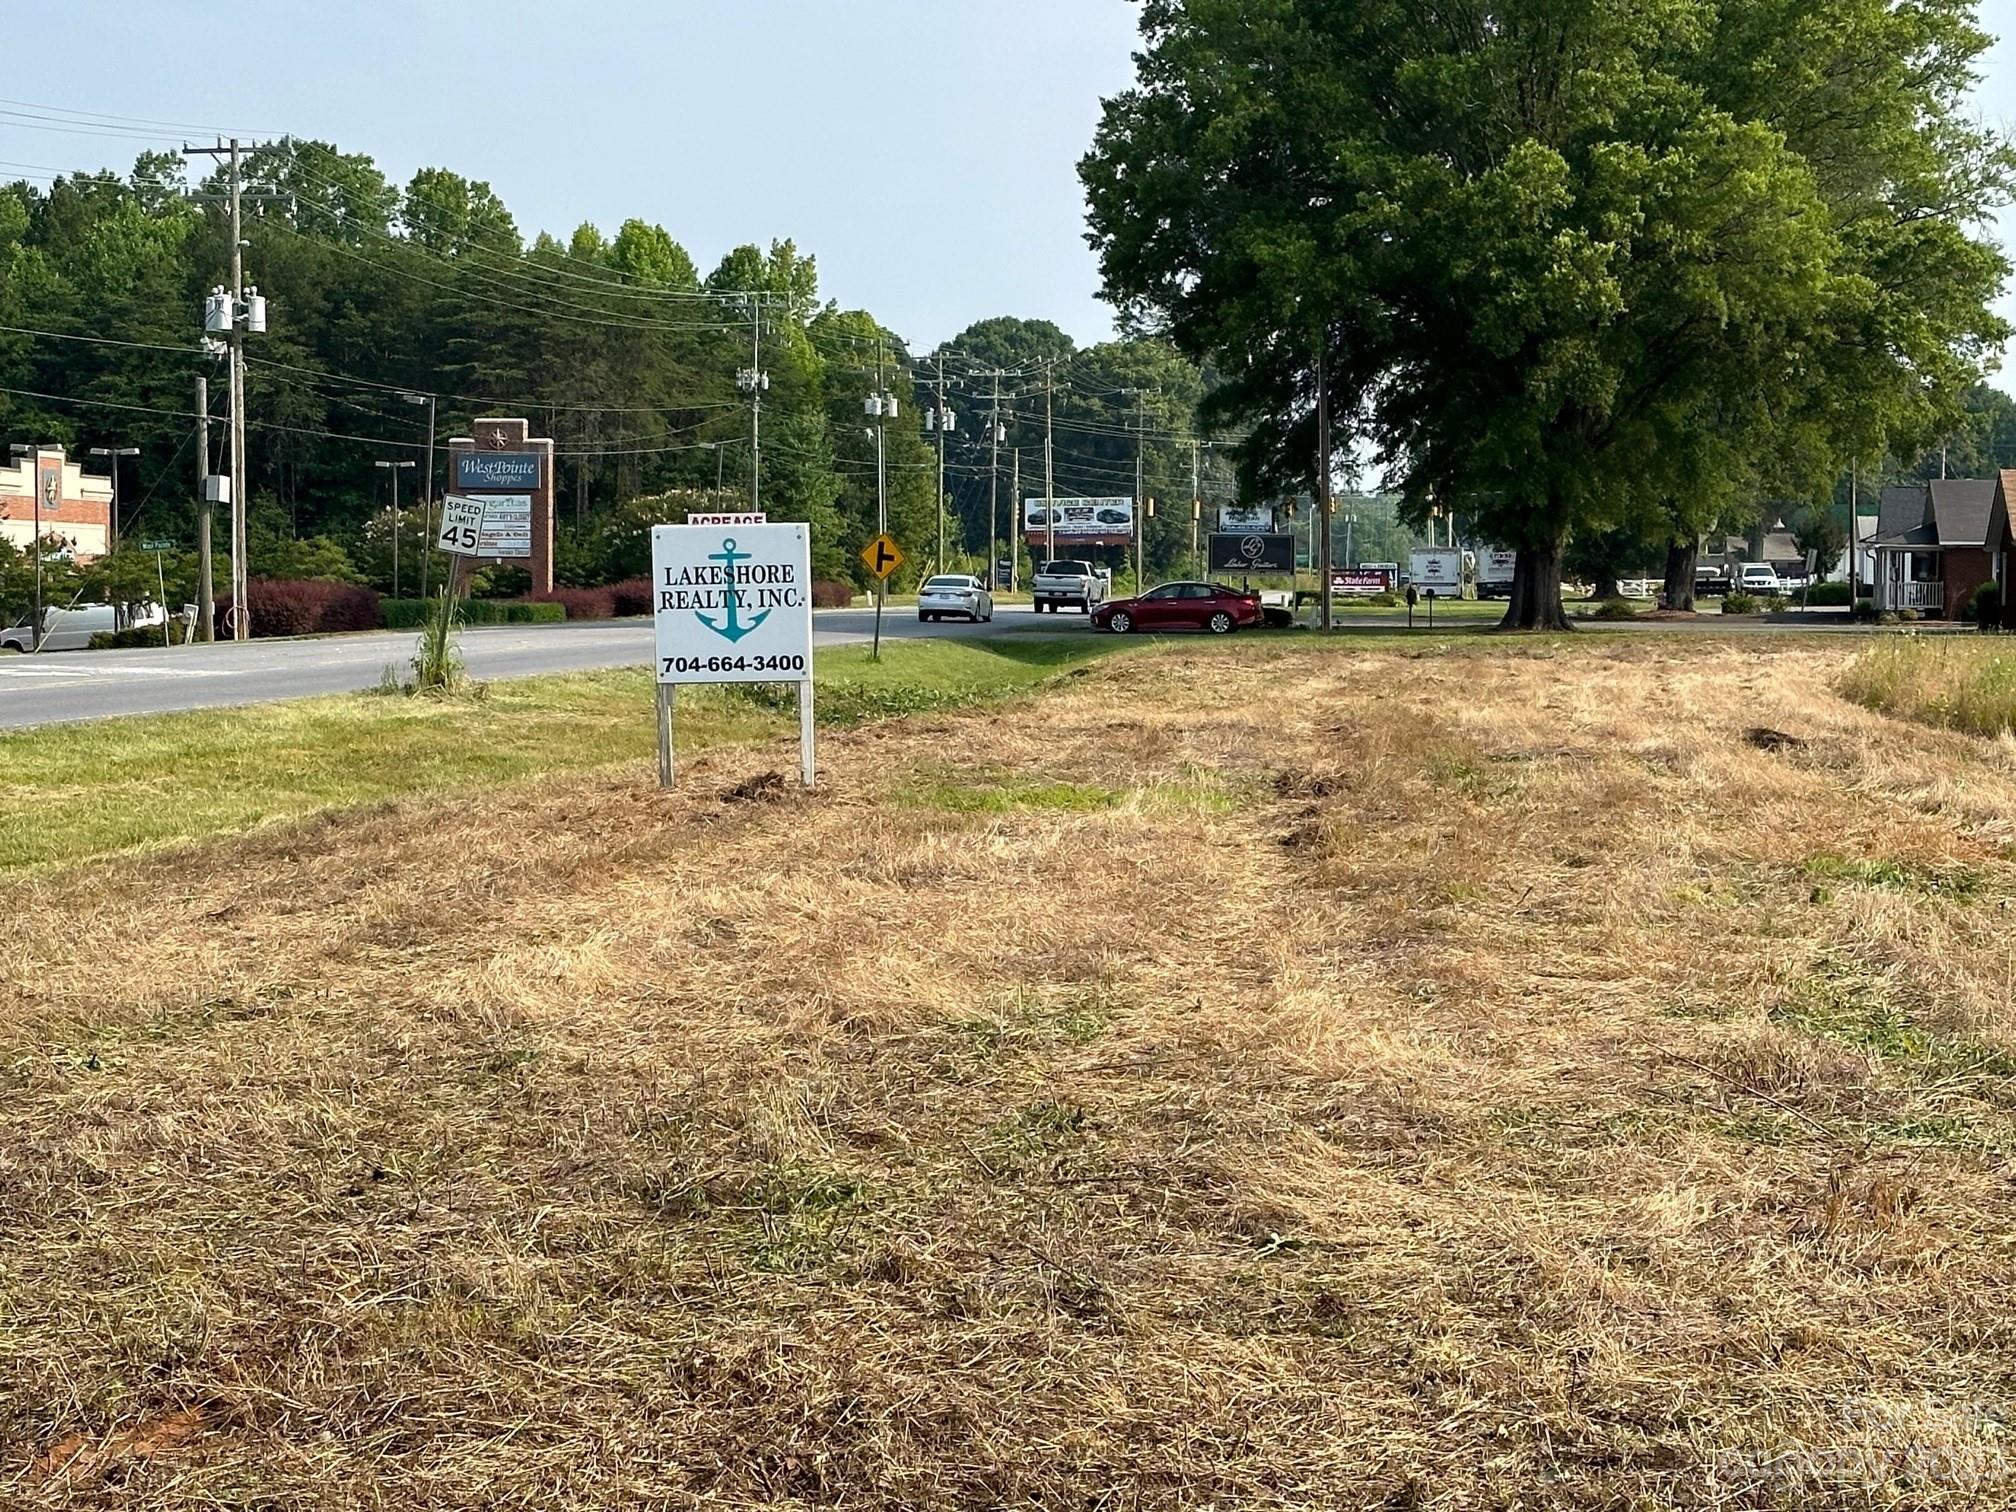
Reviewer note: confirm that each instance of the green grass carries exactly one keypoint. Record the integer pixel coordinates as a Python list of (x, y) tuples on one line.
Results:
[(74, 793), (1959, 684), (1959, 882)]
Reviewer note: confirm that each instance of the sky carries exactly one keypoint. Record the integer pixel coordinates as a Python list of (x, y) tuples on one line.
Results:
[(924, 151)]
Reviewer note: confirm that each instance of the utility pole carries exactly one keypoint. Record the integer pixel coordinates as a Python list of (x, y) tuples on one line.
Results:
[(112, 454), (753, 381), (394, 468), (994, 434), (241, 318), (1015, 550), (880, 407), (1049, 461), (943, 421), (1322, 521), (1196, 502), (206, 591), (427, 493), (1140, 488), (1854, 537)]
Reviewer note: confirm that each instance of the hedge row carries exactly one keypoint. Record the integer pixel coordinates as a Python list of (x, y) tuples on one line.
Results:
[(299, 608), (409, 614), (306, 608)]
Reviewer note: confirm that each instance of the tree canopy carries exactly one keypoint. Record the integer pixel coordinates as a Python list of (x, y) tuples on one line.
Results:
[(617, 345), (1591, 265)]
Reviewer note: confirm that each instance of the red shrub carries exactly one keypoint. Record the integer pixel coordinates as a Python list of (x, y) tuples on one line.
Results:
[(304, 608), (581, 603), (827, 595), (631, 596)]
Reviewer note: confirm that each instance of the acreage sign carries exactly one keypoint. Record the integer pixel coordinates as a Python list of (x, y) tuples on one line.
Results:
[(732, 604)]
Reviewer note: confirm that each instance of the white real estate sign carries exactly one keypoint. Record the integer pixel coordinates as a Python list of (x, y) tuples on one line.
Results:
[(492, 525), (732, 604)]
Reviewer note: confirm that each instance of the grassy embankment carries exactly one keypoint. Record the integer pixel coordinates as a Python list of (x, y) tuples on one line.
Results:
[(75, 792), (1959, 684), (1452, 1074)]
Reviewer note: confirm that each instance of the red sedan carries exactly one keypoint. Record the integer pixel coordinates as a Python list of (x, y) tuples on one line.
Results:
[(1180, 606)]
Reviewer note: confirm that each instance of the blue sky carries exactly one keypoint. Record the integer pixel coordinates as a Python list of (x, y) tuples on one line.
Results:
[(923, 150)]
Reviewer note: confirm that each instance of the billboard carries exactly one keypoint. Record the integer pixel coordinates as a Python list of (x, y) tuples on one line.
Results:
[(1251, 551), (1079, 522), (1439, 571), (507, 471), (1246, 519)]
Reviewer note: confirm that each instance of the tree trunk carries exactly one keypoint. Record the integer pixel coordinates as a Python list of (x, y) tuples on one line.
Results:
[(1606, 585), (1681, 558), (1536, 590)]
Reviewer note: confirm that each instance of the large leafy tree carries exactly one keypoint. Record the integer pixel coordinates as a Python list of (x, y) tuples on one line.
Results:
[(1565, 262)]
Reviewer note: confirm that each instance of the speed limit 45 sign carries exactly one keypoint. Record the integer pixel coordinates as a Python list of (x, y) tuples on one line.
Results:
[(461, 525)]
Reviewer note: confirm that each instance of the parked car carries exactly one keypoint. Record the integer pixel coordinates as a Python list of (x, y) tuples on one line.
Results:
[(1710, 582), (1759, 578), (1181, 606), (1068, 582), (954, 593), (62, 629)]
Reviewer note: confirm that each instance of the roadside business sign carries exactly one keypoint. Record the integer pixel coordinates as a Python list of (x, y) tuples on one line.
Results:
[(504, 471), (727, 519), (1246, 519), (1360, 582), (883, 556), (1439, 570), (1079, 522), (1251, 551), (732, 605), (507, 526)]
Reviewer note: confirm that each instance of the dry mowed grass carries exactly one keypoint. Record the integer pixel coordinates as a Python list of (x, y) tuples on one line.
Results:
[(1264, 1077)]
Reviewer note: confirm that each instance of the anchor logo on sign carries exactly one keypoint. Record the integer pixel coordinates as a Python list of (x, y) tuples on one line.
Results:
[(734, 629)]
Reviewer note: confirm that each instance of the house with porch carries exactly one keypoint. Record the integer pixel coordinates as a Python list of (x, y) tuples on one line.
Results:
[(1937, 542)]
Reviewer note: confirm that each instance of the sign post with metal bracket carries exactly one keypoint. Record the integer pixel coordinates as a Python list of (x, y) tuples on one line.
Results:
[(732, 604)]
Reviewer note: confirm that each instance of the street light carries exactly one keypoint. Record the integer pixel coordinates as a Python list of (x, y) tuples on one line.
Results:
[(20, 449), (394, 466), (427, 503), (112, 454), (720, 456)]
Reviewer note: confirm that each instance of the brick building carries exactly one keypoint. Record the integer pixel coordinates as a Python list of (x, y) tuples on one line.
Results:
[(74, 508)]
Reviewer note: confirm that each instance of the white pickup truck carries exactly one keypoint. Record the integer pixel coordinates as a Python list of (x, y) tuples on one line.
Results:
[(1067, 582)]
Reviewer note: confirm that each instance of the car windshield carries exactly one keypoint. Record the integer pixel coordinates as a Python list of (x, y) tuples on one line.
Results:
[(948, 585)]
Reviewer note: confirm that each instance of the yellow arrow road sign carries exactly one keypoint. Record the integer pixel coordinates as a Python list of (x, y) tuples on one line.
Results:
[(883, 557)]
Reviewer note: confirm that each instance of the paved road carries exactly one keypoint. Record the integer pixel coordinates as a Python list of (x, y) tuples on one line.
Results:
[(58, 688), (67, 686)]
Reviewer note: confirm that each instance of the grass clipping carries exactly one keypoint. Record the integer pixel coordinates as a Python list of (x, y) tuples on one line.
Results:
[(1459, 1076)]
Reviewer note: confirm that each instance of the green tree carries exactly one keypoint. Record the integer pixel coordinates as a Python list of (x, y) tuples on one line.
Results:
[(1566, 261)]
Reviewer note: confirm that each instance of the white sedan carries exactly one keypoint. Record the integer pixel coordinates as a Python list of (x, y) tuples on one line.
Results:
[(966, 597)]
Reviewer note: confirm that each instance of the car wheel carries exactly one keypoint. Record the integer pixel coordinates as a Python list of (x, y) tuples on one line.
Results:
[(1120, 622), (1219, 623)]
